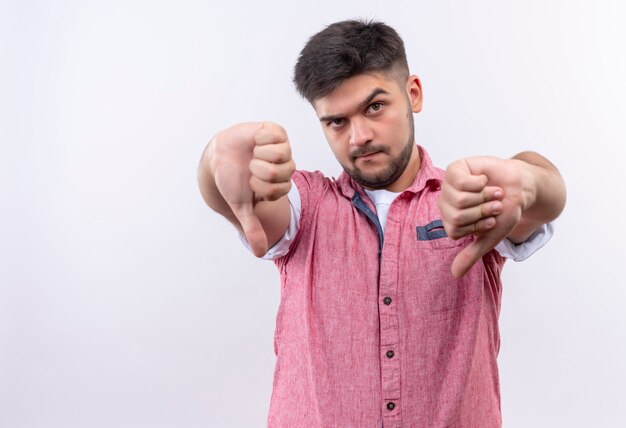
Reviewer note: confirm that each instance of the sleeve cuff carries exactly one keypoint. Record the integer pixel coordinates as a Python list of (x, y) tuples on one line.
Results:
[(522, 251)]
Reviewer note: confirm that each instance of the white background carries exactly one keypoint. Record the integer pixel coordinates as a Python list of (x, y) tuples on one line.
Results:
[(125, 302)]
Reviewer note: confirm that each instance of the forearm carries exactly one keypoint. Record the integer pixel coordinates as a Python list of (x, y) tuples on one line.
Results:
[(546, 194)]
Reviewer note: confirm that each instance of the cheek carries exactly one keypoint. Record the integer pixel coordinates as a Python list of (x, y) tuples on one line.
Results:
[(399, 126)]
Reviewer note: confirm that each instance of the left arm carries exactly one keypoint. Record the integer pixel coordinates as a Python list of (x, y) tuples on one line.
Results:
[(495, 199), (546, 190)]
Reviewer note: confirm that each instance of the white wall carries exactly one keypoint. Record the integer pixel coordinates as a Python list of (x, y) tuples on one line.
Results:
[(124, 302)]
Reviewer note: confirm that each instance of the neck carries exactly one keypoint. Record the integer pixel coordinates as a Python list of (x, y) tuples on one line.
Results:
[(408, 175)]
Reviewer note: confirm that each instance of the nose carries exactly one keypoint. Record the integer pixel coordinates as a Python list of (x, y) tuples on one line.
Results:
[(360, 132)]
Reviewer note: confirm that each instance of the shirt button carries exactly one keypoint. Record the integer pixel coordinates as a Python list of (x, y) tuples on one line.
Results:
[(387, 300), (391, 405), (390, 354)]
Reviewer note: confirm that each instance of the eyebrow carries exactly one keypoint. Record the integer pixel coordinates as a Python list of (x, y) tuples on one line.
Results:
[(363, 104)]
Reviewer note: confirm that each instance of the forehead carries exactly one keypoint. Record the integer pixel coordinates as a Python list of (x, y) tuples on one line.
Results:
[(352, 92)]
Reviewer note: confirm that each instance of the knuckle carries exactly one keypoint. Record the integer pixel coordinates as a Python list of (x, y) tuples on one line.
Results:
[(457, 183), (274, 192), (463, 200), (279, 156), (283, 154), (270, 197), (287, 150), (466, 182), (266, 124), (275, 129), (456, 218), (271, 173)]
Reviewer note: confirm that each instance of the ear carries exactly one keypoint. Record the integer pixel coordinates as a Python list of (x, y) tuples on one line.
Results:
[(414, 91)]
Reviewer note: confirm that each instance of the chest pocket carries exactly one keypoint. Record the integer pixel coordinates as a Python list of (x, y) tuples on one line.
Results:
[(438, 290), (431, 231)]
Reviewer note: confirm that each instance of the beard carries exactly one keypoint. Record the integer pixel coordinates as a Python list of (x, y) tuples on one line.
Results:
[(390, 173)]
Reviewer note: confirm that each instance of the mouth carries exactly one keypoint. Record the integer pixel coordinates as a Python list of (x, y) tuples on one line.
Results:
[(367, 155)]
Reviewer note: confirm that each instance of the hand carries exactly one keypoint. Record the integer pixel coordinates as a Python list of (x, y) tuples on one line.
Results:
[(485, 197), (252, 162)]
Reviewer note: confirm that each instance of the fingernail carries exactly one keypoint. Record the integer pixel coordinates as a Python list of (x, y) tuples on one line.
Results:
[(498, 194), (496, 207)]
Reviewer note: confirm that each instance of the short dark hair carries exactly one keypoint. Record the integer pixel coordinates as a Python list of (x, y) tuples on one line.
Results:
[(345, 49)]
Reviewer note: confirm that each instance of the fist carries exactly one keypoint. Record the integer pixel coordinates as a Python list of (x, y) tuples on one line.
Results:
[(252, 162), (271, 166), (485, 197)]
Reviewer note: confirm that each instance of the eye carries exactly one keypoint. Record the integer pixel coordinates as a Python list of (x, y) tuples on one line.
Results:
[(336, 123), (375, 107)]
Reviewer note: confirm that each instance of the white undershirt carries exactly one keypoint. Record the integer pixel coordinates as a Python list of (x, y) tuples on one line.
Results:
[(382, 200)]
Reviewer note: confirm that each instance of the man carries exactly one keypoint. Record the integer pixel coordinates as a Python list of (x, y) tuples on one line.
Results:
[(390, 275)]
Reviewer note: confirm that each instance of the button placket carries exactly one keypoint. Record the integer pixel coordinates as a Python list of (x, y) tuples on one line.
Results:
[(389, 326)]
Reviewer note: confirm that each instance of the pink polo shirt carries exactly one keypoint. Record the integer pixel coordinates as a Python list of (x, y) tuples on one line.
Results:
[(376, 331)]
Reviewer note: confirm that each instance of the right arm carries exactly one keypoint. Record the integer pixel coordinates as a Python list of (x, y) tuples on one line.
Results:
[(245, 175)]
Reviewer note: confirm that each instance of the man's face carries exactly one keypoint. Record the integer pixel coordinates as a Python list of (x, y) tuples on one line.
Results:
[(368, 123)]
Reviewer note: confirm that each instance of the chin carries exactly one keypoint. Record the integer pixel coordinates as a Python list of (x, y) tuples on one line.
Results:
[(373, 180)]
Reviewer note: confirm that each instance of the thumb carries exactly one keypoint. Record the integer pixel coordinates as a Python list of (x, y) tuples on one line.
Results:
[(464, 261), (252, 229)]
